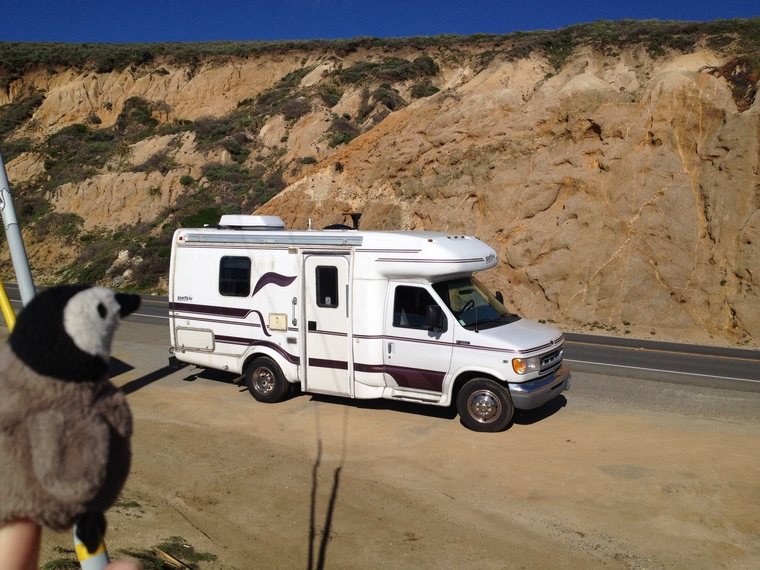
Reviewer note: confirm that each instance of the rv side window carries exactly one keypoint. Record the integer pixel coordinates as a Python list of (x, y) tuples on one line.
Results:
[(410, 307), (235, 276), (327, 286)]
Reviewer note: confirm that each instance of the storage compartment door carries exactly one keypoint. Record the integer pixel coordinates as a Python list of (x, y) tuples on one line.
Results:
[(194, 339)]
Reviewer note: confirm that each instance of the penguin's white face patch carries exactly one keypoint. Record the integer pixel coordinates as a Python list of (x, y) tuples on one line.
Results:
[(90, 318)]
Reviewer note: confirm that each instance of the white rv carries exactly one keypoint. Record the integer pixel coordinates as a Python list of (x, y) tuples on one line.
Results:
[(360, 314)]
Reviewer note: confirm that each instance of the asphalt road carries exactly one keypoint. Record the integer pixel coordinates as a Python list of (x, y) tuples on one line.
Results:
[(719, 367)]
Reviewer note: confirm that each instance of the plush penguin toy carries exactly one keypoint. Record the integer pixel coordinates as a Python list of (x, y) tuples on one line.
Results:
[(64, 428)]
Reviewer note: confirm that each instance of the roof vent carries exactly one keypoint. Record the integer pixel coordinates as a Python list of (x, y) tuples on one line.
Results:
[(241, 222)]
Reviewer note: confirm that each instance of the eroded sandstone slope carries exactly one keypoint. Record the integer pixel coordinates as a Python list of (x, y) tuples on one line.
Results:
[(619, 186)]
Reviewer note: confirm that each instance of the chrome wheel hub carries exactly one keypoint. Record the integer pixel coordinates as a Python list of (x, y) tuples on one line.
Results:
[(263, 381), (484, 406)]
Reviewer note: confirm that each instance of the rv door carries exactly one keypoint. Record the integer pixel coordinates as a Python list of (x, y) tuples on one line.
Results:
[(326, 314)]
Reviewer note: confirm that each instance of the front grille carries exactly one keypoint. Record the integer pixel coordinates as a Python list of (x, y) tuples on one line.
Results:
[(551, 361)]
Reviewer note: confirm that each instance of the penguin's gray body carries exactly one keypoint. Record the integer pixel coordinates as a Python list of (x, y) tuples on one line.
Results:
[(64, 428)]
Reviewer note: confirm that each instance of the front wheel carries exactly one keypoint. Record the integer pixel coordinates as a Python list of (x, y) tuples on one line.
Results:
[(484, 405), (265, 381)]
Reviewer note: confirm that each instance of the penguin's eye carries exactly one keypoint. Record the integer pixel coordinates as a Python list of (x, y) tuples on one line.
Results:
[(102, 310)]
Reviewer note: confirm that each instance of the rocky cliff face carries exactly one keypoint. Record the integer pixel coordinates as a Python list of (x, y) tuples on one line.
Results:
[(620, 189)]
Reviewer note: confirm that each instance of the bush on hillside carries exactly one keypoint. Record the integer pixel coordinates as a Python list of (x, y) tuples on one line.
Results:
[(423, 89)]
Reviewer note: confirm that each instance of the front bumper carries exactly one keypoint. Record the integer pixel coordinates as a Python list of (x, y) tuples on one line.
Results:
[(535, 393)]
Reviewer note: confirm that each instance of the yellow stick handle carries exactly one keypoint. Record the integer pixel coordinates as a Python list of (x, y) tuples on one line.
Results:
[(5, 304)]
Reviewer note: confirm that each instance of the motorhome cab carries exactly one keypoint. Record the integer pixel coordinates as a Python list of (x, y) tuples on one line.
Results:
[(360, 314)]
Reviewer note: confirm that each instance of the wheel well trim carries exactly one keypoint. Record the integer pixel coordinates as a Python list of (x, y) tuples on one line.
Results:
[(463, 376), (288, 370)]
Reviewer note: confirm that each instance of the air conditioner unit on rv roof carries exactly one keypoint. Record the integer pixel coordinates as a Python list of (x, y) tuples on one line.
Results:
[(238, 221)]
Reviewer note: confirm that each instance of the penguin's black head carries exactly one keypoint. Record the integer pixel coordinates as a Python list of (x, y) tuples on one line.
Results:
[(66, 331)]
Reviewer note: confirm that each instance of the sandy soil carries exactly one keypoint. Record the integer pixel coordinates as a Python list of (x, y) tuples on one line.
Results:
[(593, 481)]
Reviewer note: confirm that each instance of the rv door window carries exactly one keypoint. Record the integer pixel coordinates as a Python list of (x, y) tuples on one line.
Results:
[(235, 276), (410, 307), (327, 286)]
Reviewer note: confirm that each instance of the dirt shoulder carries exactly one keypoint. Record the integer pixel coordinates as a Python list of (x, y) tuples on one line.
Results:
[(595, 483)]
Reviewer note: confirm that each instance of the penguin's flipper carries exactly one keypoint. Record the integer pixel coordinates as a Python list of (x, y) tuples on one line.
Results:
[(91, 528), (69, 454)]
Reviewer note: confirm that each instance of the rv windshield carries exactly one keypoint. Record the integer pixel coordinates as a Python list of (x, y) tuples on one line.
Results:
[(472, 304)]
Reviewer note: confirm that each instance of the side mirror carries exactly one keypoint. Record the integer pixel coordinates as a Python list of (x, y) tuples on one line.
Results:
[(435, 320), (499, 297)]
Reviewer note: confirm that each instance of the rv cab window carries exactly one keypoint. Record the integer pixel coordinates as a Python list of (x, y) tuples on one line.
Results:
[(235, 276), (327, 286)]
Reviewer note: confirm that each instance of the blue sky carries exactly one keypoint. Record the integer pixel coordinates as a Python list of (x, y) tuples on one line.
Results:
[(197, 20)]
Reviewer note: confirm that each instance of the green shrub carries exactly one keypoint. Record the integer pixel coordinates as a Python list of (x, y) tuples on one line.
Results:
[(233, 173), (62, 564), (294, 109), (176, 126), (75, 153), (330, 93), (271, 101), (423, 89), (308, 160), (389, 69), (204, 216), (187, 180), (59, 224), (13, 115), (174, 546), (160, 161), (342, 131), (388, 97), (209, 131), (155, 253), (236, 145), (136, 120), (30, 202), (11, 149)]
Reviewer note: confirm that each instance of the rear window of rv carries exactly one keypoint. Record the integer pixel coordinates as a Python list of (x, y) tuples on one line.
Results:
[(235, 276)]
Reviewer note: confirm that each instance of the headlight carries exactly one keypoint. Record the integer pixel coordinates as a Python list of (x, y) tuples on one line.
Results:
[(526, 365)]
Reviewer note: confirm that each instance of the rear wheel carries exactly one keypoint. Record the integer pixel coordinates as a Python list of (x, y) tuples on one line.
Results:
[(484, 405), (265, 381)]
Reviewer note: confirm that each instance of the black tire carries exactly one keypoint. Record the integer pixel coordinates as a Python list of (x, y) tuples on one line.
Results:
[(265, 381), (485, 405)]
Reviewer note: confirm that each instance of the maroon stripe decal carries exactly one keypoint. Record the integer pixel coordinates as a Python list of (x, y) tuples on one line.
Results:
[(323, 363), (210, 310), (434, 261), (327, 333), (253, 342), (557, 343), (415, 378), (219, 311)]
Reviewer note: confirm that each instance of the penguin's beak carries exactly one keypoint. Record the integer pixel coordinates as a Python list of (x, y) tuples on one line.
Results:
[(128, 303)]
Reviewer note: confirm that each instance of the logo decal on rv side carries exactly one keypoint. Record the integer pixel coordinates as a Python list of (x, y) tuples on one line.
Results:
[(273, 278), (181, 298)]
